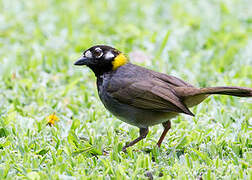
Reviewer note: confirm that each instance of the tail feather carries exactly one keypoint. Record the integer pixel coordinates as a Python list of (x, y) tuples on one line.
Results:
[(232, 91), (193, 96)]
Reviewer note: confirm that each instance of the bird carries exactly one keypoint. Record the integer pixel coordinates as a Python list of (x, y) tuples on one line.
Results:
[(142, 97)]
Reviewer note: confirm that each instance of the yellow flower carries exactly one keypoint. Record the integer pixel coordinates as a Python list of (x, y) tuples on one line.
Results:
[(52, 119)]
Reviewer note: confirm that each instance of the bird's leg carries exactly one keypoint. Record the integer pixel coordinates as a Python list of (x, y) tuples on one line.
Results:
[(167, 126), (143, 134)]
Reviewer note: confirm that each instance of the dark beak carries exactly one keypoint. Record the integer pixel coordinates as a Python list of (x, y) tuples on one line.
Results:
[(82, 61)]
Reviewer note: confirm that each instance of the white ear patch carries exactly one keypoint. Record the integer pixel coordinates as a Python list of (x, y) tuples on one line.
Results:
[(88, 54), (109, 55)]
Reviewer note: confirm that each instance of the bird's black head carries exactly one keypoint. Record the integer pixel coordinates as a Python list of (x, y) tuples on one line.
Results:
[(101, 59)]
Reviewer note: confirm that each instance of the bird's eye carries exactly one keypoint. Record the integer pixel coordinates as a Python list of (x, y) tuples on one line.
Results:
[(98, 52)]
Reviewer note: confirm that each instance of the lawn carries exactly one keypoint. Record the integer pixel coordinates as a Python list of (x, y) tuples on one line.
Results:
[(207, 43)]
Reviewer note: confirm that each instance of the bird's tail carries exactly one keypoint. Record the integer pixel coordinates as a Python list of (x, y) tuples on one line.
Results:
[(193, 96), (225, 90)]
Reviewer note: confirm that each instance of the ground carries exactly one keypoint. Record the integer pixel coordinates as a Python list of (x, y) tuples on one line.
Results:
[(207, 43)]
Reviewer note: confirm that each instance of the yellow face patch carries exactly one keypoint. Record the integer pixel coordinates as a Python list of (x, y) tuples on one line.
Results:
[(119, 61)]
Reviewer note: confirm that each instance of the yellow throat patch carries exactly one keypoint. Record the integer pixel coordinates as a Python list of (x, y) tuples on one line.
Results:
[(119, 61)]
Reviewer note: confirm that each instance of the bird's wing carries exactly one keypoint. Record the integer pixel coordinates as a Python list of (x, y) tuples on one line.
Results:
[(171, 80), (152, 94)]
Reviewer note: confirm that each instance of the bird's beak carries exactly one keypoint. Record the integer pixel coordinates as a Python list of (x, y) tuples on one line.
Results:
[(82, 61)]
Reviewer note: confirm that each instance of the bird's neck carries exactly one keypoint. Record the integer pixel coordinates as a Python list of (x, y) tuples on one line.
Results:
[(99, 71), (119, 61)]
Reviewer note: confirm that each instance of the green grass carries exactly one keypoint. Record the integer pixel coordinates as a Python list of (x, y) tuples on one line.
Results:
[(207, 43)]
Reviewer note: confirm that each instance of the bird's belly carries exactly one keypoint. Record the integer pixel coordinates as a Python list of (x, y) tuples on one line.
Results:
[(135, 116)]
